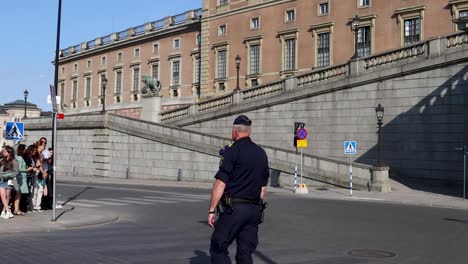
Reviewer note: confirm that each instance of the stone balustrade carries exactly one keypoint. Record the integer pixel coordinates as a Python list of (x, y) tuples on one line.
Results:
[(322, 74), (155, 26), (259, 91), (457, 40), (410, 52), (215, 103), (181, 111)]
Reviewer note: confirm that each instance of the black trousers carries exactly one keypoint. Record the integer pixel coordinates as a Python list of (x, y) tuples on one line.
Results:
[(241, 225)]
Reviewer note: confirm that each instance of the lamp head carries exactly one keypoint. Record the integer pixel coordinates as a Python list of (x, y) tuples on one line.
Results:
[(379, 111), (238, 60), (26, 93), (104, 80), (356, 22)]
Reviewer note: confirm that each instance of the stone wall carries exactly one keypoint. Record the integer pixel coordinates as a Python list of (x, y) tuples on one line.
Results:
[(425, 96), (121, 147)]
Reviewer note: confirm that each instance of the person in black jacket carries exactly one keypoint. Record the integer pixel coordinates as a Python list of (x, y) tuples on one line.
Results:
[(240, 187)]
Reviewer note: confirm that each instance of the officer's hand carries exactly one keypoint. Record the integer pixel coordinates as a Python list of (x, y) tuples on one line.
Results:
[(211, 219)]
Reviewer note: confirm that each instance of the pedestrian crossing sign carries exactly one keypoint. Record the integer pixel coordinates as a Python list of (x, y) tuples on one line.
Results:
[(350, 147), (14, 131)]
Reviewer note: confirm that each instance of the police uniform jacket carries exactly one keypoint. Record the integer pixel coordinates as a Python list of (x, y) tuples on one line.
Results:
[(244, 170)]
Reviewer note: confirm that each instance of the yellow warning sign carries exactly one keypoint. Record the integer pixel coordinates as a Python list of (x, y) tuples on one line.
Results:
[(302, 143)]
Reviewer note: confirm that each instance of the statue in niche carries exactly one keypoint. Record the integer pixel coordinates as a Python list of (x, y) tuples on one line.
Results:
[(152, 86)]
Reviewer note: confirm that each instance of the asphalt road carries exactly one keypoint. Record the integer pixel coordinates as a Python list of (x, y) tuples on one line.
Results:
[(168, 225)]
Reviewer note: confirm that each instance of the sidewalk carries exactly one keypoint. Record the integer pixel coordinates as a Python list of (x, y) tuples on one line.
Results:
[(400, 194), (67, 217)]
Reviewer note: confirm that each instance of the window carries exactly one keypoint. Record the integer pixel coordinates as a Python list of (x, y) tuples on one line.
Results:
[(323, 8), (155, 48), (63, 70), (223, 2), (101, 90), (364, 41), (255, 59), (255, 23), (290, 15), (463, 13), (87, 87), (197, 69), (62, 94), (222, 30), (412, 31), (364, 3), (198, 39), (75, 67), (176, 43), (136, 53), (411, 22), (136, 79), (323, 49), (254, 82), (118, 82), (289, 54), (103, 60), (88, 64), (155, 71), (222, 66), (119, 57), (74, 89), (175, 72)]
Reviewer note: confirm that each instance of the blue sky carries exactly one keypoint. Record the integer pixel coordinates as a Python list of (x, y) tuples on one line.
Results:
[(27, 45)]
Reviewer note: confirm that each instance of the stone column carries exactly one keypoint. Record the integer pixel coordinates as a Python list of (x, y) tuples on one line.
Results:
[(151, 107)]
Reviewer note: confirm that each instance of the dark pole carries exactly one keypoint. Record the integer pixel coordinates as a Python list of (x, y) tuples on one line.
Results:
[(104, 84), (379, 148), (199, 60), (379, 110), (54, 114), (238, 59), (57, 52), (25, 102)]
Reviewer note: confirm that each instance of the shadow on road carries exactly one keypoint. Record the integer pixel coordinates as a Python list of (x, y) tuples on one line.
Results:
[(76, 195), (200, 258)]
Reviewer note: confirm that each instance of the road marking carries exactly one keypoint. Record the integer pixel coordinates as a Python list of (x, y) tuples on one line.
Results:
[(72, 203), (155, 200), (123, 200), (365, 198), (175, 199), (102, 202)]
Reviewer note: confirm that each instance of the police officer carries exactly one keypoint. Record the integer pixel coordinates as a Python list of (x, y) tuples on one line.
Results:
[(240, 187)]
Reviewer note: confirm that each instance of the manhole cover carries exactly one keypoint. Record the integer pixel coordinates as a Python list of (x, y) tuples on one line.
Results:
[(369, 253)]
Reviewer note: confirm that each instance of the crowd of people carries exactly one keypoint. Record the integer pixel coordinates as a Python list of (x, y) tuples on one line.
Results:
[(26, 179)]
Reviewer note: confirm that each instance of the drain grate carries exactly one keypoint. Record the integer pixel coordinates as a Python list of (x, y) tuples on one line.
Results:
[(369, 253)]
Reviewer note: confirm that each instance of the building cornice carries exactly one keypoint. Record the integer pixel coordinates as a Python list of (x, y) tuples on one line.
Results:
[(248, 8)]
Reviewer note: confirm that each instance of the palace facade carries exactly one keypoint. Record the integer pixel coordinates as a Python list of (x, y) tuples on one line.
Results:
[(193, 54)]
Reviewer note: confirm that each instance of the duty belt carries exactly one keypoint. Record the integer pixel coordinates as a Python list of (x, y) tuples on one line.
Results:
[(244, 201)]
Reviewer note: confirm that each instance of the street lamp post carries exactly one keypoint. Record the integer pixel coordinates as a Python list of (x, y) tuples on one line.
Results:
[(355, 26), (103, 96), (379, 111), (26, 93), (238, 61)]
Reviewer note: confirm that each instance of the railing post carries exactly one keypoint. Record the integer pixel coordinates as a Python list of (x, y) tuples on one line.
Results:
[(290, 83), (84, 46), (436, 47), (148, 27), (114, 37), (193, 109), (237, 97), (99, 41), (356, 66)]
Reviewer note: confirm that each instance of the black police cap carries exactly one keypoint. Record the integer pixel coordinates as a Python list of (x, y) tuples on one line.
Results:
[(242, 120)]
